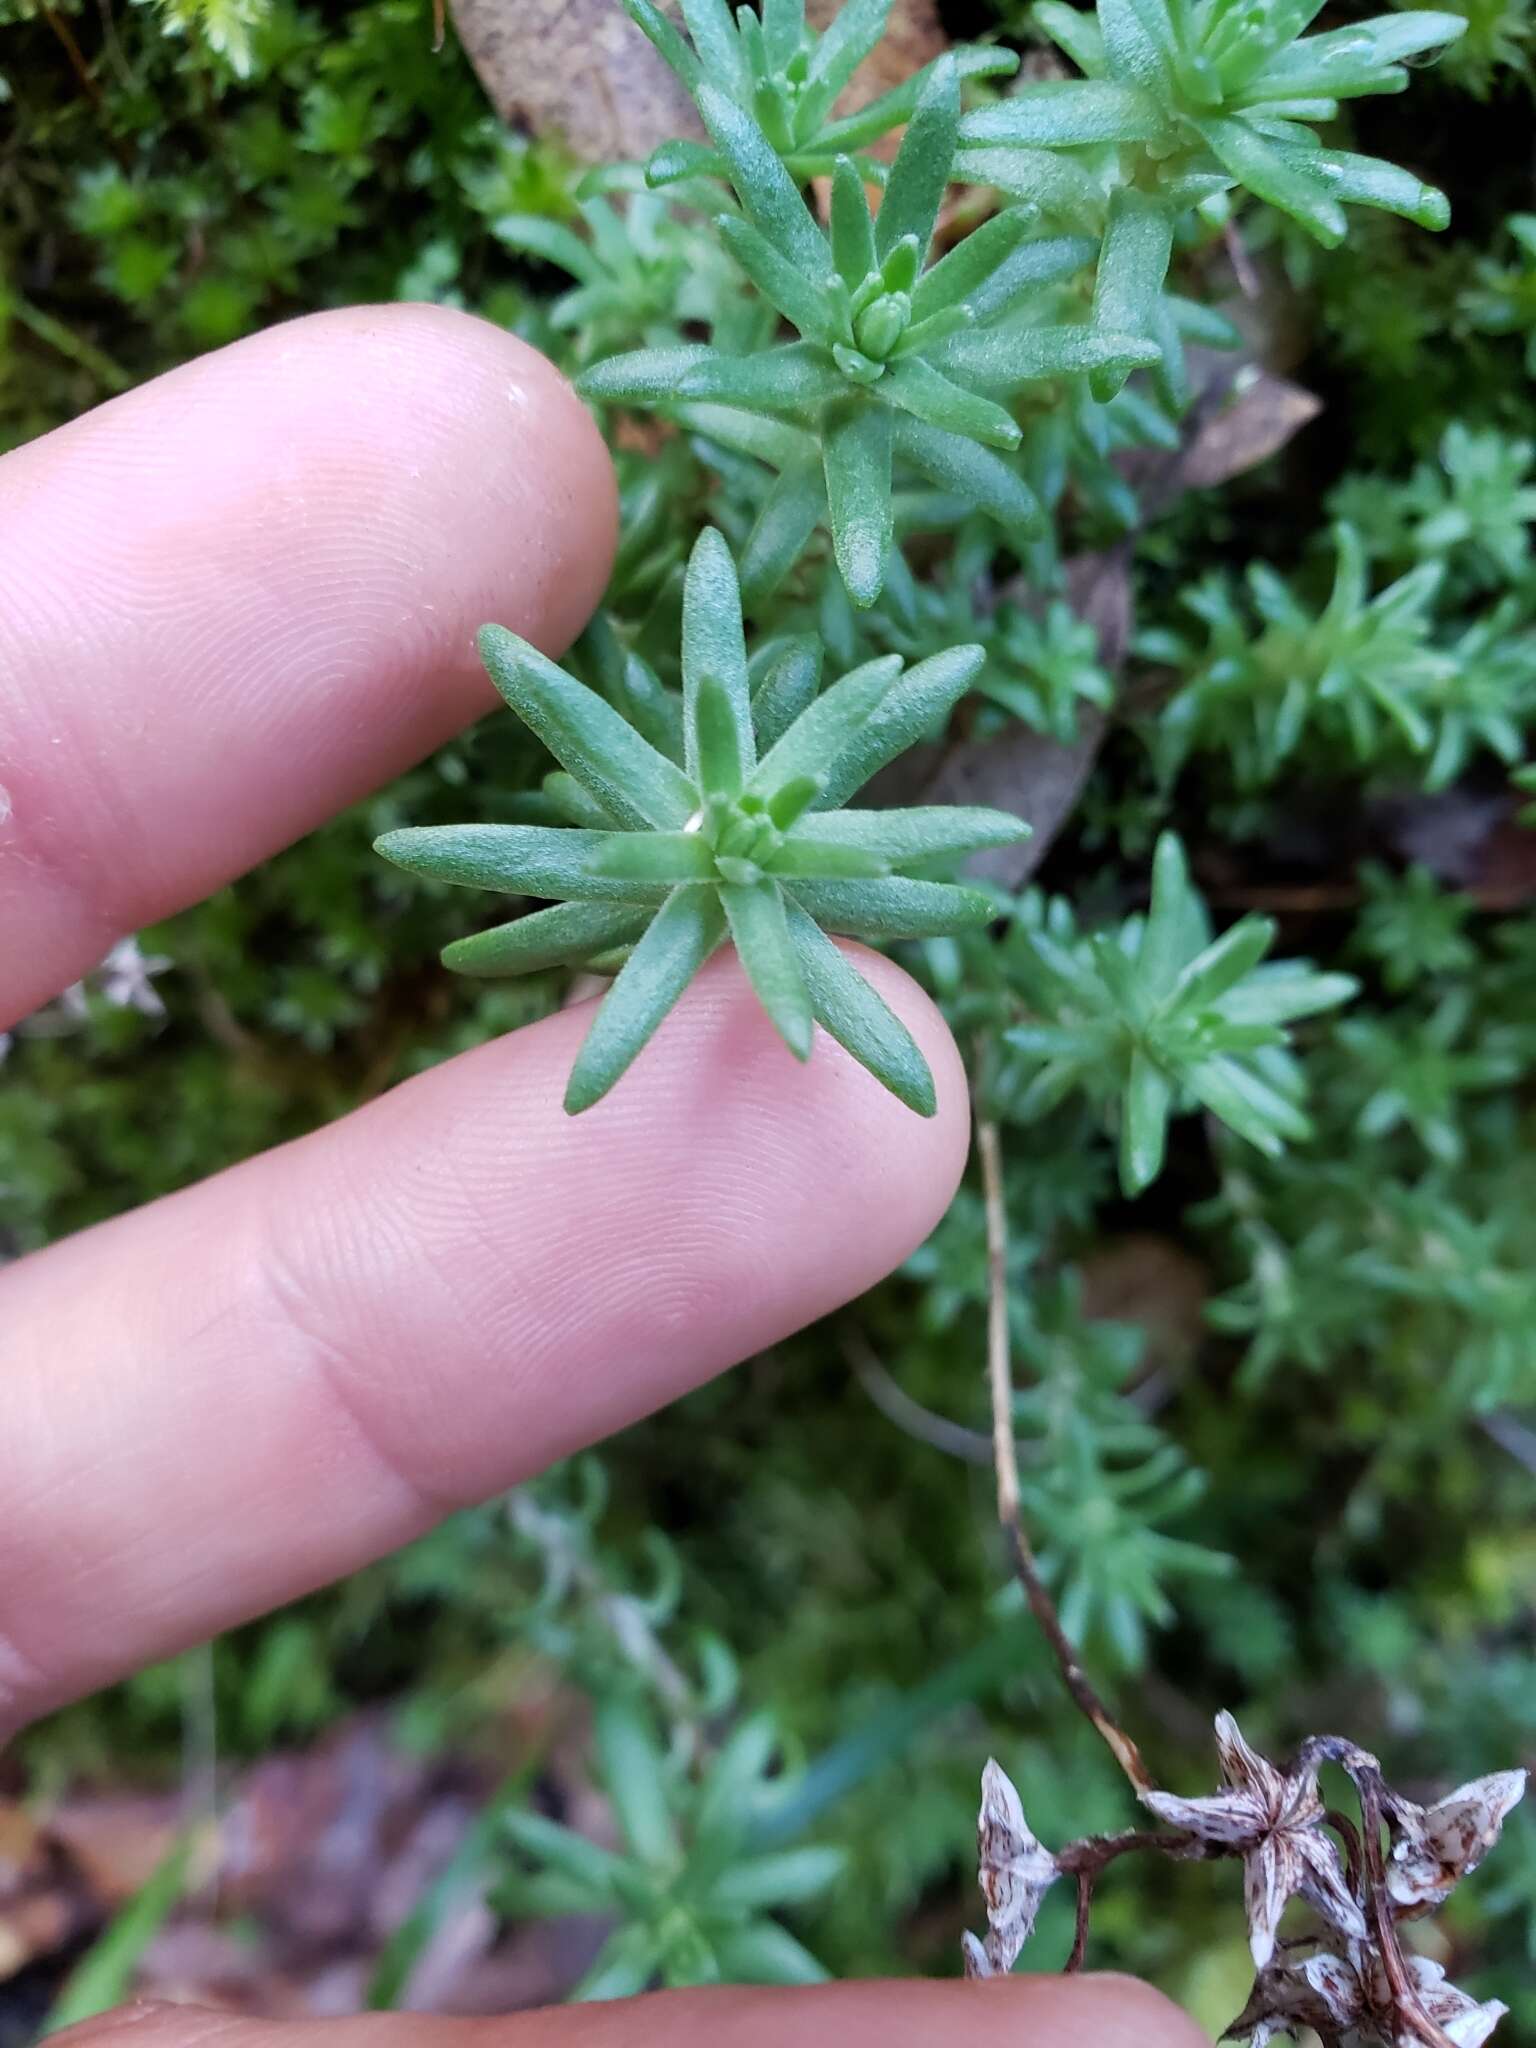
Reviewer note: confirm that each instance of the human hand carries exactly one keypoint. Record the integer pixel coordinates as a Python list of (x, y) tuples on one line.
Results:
[(230, 603)]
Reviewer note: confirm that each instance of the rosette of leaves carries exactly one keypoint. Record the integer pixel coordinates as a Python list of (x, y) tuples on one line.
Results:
[(1478, 501), (1343, 1262), (1154, 1016), (728, 822), (1037, 670), (1360, 674), (693, 1902), (1502, 298), (1486, 696), (640, 273), (896, 363), (787, 78), (1101, 1481), (1199, 96)]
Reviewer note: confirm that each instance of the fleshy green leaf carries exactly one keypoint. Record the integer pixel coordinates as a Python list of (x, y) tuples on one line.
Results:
[(789, 515), (644, 375), (1144, 1131), (599, 1871), (714, 37), (634, 1776), (1368, 181), (1133, 264), (1247, 1104), (1067, 112), (567, 935), (793, 378), (783, 26), (923, 164), (789, 1878), (956, 464), (669, 44), (714, 649), (767, 192), (626, 774), (1281, 176), (788, 687), (667, 858), (973, 259), (906, 713), (760, 934), (1005, 359), (803, 301), (1222, 965), (929, 395), (686, 930), (856, 456), (523, 860), (894, 908), (928, 832), (1163, 951), (848, 39), (849, 1010), (827, 727), (626, 1965), (853, 232)]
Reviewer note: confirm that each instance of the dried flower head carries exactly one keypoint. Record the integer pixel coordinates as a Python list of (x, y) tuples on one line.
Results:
[(1015, 1873), (1321, 1991), (1437, 1846), (1348, 1998), (1274, 1819)]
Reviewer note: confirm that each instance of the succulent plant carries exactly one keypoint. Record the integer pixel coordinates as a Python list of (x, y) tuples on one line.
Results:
[(740, 833)]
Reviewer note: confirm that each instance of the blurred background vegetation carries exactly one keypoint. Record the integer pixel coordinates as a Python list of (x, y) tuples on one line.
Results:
[(1279, 1416)]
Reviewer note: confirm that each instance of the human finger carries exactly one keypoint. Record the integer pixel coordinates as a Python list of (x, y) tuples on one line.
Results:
[(239, 597), (1025, 2012), (256, 1385)]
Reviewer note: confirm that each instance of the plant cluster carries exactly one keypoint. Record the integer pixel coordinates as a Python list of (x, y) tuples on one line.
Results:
[(930, 390)]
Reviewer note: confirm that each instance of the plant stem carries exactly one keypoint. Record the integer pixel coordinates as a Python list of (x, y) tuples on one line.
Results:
[(1006, 1464), (898, 1406), (1365, 1775), (112, 376)]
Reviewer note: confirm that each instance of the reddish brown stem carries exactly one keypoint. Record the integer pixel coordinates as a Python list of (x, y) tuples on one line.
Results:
[(1075, 1961), (77, 63), (1006, 1461)]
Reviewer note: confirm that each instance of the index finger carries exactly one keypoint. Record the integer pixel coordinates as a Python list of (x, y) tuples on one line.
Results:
[(910, 2012), (244, 595)]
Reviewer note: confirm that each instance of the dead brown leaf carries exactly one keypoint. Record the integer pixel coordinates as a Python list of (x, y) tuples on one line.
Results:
[(1151, 1281), (581, 70), (116, 1841), (578, 70), (1263, 413), (913, 37)]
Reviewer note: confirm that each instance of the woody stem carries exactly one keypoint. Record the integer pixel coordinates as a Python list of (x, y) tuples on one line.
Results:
[(1006, 1464)]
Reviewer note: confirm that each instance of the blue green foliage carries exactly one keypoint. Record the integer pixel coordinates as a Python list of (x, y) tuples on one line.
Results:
[(1256, 1031)]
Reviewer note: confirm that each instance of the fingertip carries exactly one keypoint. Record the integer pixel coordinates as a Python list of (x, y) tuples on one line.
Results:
[(491, 421), (947, 1112), (238, 597), (428, 1302), (1133, 2015)]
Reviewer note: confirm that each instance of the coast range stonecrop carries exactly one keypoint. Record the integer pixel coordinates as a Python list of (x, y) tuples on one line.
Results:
[(737, 829), (896, 364), (1157, 1014), (1187, 99), (787, 78)]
